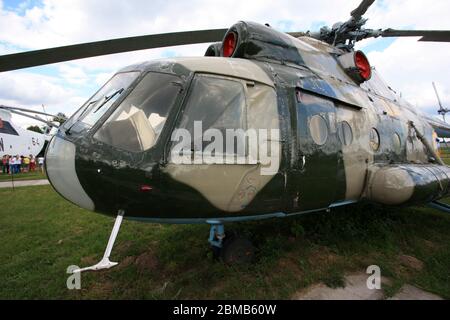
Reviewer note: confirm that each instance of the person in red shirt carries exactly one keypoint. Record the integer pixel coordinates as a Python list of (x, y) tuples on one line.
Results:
[(32, 163), (5, 164)]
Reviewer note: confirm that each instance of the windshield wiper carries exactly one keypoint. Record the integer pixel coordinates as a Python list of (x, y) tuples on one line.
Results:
[(107, 99), (119, 91), (87, 107)]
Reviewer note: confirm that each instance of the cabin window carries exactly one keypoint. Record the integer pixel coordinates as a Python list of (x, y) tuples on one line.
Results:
[(318, 129), (397, 143), (215, 107), (137, 122), (374, 139), (345, 133)]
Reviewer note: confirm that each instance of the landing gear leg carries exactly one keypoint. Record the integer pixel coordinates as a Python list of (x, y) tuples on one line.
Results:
[(105, 263), (216, 237), (231, 248)]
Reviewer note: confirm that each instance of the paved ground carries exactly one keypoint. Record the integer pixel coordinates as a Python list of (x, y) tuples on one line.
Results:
[(24, 183), (356, 289)]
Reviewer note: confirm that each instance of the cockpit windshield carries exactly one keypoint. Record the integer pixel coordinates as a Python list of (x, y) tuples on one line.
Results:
[(138, 121), (96, 106)]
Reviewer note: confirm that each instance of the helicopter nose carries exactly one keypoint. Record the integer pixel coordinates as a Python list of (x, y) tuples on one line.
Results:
[(60, 167)]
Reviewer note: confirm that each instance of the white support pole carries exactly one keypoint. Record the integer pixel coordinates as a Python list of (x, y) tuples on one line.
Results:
[(105, 263)]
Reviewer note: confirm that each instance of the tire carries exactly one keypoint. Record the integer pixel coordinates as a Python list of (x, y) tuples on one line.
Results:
[(216, 251), (237, 250)]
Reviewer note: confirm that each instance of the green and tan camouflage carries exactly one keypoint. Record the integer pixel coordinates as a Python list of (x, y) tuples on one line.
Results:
[(340, 141)]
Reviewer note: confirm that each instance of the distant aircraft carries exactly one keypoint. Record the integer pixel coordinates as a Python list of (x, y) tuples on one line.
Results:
[(15, 140)]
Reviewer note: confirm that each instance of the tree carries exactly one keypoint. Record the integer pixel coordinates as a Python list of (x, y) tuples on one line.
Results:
[(35, 129), (60, 118)]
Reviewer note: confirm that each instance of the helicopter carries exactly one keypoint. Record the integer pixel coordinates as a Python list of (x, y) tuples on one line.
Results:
[(266, 125), (14, 140)]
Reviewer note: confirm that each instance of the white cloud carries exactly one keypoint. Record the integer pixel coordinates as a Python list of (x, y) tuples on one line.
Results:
[(61, 22), (73, 75), (101, 78), (28, 90), (420, 14), (412, 66)]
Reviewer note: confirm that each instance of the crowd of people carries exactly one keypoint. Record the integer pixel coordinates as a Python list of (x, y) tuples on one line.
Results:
[(20, 164)]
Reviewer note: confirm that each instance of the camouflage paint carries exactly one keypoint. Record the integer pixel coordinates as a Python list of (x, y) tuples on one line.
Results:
[(307, 82)]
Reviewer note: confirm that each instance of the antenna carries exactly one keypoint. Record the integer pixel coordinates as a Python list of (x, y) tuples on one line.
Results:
[(43, 108), (48, 128), (442, 111)]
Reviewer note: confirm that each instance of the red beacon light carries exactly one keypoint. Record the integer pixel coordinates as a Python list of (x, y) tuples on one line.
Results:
[(145, 188), (356, 65), (362, 63), (229, 44)]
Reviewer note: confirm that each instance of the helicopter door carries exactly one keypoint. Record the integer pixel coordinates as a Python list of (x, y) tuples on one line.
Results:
[(212, 152), (315, 168)]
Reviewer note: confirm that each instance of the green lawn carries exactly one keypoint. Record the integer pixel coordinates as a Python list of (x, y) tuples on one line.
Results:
[(41, 235), (23, 176)]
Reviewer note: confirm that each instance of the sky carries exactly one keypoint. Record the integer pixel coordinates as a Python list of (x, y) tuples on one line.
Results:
[(406, 65)]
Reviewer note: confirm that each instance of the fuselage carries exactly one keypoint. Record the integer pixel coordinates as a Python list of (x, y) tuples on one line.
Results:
[(15, 140), (334, 142)]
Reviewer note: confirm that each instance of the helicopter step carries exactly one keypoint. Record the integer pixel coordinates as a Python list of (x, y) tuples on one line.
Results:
[(105, 263), (229, 246)]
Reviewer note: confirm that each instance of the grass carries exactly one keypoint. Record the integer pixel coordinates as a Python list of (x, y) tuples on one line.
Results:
[(41, 235), (23, 176)]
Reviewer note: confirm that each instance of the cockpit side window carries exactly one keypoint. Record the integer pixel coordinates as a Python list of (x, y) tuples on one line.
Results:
[(216, 103), (7, 128), (137, 122)]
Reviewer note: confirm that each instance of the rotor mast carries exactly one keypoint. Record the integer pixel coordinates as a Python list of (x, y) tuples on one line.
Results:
[(344, 35)]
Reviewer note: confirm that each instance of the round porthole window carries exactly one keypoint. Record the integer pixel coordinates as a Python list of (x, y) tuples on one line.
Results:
[(345, 133), (319, 130), (374, 139)]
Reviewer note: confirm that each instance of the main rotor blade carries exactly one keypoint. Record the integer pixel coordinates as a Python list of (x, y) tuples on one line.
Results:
[(26, 110), (99, 48), (427, 35), (48, 123), (362, 9)]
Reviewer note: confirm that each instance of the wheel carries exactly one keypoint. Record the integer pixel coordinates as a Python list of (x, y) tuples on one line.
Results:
[(216, 251), (237, 250)]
